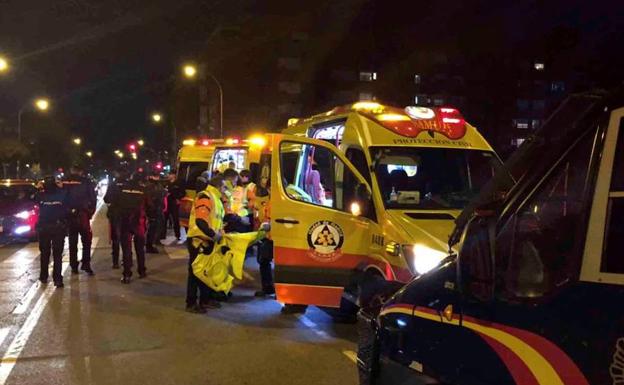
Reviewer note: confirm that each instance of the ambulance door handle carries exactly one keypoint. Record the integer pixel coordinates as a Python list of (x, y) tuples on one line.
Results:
[(289, 221)]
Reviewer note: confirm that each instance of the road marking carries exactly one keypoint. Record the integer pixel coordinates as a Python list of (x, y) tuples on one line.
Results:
[(311, 325), (4, 332), (350, 355), (7, 363), (27, 299)]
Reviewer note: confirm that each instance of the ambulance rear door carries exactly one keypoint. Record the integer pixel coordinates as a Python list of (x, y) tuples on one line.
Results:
[(319, 240)]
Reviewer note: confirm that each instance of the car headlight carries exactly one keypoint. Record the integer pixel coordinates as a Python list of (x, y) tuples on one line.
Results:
[(421, 258), (23, 214)]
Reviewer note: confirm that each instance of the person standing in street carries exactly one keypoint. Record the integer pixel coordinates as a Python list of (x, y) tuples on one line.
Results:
[(82, 203), (175, 192), (155, 194), (113, 213), (205, 230), (52, 228), (130, 199)]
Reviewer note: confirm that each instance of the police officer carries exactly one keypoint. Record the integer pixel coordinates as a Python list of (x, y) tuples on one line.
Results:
[(113, 213), (155, 193), (205, 229), (131, 201), (82, 202), (175, 192), (265, 249), (52, 227)]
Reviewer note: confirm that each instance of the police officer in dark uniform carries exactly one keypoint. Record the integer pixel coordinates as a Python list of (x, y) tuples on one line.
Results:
[(175, 192), (52, 227), (132, 203), (113, 213), (82, 202), (155, 193)]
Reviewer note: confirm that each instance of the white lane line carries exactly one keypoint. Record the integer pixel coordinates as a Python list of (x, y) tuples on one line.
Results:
[(311, 325), (4, 332), (27, 299), (7, 363), (350, 355)]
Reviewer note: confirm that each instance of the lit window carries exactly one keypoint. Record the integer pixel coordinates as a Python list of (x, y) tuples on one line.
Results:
[(539, 66), (517, 141), (417, 79), (367, 76), (521, 123)]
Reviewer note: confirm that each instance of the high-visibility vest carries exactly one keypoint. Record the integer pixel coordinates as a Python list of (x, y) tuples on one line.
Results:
[(238, 201), (215, 219)]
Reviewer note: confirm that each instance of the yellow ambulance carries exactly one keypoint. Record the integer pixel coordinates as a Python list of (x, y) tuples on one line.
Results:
[(199, 155), (367, 193)]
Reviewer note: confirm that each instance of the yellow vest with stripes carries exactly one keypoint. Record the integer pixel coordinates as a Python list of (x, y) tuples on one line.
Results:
[(216, 215)]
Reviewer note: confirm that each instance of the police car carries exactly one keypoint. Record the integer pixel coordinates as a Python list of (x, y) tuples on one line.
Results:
[(532, 291)]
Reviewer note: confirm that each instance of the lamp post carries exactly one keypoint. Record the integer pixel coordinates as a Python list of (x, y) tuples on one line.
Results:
[(190, 72), (157, 118), (39, 104)]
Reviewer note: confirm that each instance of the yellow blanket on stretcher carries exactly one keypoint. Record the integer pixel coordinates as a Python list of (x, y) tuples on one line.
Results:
[(225, 263)]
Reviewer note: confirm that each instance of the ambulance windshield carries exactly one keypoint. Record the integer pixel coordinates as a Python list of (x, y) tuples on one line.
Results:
[(431, 178)]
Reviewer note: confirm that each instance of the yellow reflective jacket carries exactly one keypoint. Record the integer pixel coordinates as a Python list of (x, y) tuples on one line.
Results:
[(207, 206)]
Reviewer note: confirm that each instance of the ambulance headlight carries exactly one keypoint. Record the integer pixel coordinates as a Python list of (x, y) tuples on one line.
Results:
[(421, 258)]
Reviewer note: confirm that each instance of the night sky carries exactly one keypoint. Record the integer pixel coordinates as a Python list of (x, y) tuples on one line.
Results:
[(107, 64)]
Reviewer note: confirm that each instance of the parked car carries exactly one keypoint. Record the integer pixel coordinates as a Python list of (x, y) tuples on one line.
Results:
[(18, 211)]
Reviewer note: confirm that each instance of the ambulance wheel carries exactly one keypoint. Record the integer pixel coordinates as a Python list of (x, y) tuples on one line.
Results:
[(290, 308), (371, 289)]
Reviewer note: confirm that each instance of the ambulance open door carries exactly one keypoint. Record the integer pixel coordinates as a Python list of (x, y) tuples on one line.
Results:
[(319, 224)]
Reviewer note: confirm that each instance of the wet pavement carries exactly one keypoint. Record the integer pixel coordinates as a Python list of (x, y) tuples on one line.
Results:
[(98, 331)]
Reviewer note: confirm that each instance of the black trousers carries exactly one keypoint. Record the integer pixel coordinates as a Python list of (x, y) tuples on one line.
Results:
[(265, 257), (51, 241), (173, 215), (154, 226), (193, 284), (115, 235), (133, 228), (79, 225)]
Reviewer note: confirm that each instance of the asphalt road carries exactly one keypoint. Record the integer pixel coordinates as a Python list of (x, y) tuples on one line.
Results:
[(98, 331)]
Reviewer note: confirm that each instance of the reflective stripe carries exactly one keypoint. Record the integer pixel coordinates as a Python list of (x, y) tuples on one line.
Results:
[(210, 197), (547, 362)]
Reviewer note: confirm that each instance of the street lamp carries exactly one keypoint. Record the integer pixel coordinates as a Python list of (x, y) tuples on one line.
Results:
[(42, 104), (140, 142), (156, 117), (4, 64), (77, 141), (190, 71)]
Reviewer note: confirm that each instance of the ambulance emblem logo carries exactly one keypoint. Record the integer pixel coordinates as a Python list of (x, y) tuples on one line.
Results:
[(325, 239)]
